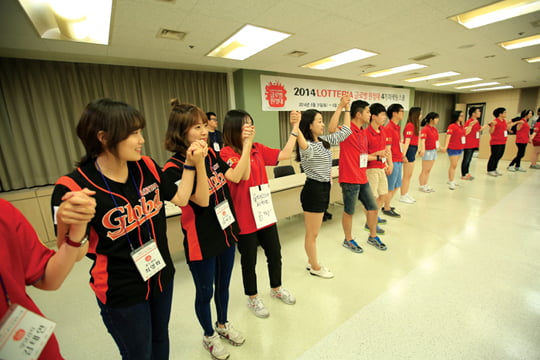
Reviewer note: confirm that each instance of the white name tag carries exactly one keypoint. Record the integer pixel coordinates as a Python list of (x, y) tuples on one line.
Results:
[(224, 214), (363, 160), (463, 140), (437, 144), (216, 146), (261, 205), (478, 134), (23, 334), (505, 133), (148, 260)]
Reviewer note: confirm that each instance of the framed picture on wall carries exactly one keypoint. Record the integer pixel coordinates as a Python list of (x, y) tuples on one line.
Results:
[(481, 106)]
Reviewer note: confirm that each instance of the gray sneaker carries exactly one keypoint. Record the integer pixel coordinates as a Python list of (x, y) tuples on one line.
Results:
[(257, 307), (520, 169), (353, 246)]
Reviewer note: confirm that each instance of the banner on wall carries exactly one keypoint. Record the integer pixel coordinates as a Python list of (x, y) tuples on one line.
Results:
[(285, 94)]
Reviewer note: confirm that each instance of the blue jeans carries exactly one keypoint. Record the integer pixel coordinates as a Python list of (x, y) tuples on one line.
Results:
[(353, 192), (208, 274), (141, 331)]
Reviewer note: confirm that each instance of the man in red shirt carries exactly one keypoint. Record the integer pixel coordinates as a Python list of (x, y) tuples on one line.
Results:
[(395, 114), (353, 179), (472, 141)]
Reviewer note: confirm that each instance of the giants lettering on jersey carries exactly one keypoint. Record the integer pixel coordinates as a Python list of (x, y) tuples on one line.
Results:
[(216, 182), (130, 216)]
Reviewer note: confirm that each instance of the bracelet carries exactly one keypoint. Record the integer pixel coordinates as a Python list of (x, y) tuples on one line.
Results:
[(189, 167), (346, 110), (74, 243), (294, 134), (378, 158)]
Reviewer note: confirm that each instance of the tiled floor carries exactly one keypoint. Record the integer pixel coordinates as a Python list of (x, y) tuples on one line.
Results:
[(460, 280)]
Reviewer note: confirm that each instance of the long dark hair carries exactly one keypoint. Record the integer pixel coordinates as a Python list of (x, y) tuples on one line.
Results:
[(232, 129), (115, 118), (414, 118), (308, 117), (181, 119), (455, 116)]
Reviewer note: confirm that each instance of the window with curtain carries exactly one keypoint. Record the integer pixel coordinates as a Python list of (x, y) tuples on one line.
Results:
[(41, 101)]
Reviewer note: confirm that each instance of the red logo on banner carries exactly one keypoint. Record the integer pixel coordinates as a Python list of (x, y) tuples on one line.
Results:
[(275, 94)]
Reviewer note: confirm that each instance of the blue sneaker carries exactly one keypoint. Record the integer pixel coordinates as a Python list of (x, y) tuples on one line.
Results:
[(375, 241), (353, 246), (379, 230), (381, 221)]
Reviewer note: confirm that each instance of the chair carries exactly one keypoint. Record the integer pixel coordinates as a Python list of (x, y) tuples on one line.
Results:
[(285, 170), (335, 162)]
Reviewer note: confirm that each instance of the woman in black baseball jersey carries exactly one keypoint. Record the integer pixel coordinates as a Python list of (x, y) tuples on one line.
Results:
[(132, 273), (208, 220)]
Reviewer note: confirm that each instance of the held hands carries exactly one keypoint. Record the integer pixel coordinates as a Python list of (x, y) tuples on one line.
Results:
[(344, 102), (248, 134), (77, 207), (294, 118), (196, 152)]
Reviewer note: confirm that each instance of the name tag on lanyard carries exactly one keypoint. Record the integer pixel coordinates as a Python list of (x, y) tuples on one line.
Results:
[(224, 214), (363, 160), (23, 333), (478, 134), (463, 140), (261, 205), (437, 144), (148, 259), (505, 133)]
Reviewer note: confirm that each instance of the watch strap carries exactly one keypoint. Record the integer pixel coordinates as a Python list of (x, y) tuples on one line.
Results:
[(74, 243)]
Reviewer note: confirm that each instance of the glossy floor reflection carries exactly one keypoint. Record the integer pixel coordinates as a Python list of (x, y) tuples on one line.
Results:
[(460, 280)]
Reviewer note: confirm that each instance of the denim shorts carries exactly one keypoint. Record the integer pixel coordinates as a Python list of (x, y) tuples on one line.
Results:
[(454, 152), (430, 155), (353, 192), (411, 153), (394, 179)]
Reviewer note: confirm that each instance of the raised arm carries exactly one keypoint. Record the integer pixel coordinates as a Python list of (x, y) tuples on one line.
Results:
[(302, 142), (344, 104), (243, 168), (288, 149)]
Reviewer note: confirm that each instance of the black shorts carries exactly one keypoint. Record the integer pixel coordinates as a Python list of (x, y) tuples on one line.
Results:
[(411, 153), (315, 196)]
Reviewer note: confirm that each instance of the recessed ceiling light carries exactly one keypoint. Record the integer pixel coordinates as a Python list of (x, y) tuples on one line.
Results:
[(248, 41), (457, 81), (493, 13), (495, 88), (477, 85), (532, 60), (395, 70), (433, 76), (71, 20), (521, 43), (340, 59)]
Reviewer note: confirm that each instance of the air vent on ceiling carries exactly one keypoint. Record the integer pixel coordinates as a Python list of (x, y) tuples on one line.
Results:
[(424, 57), (297, 53), (413, 73), (489, 56), (466, 46), (171, 34), (500, 78), (167, 1), (367, 66), (536, 23)]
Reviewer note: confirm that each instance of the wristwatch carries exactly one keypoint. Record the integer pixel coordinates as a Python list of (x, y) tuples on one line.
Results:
[(74, 243)]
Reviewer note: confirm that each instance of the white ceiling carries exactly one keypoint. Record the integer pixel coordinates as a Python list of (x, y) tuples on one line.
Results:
[(396, 29)]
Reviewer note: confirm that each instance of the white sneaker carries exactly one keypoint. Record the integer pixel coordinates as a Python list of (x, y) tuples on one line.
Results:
[(492, 173), (233, 336), (510, 168), (257, 306), (424, 188), (406, 199), (520, 169), (283, 295), (498, 173), (215, 347), (322, 272), (451, 185)]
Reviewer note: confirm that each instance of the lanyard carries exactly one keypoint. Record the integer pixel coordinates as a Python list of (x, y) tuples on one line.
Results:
[(6, 295), (116, 205)]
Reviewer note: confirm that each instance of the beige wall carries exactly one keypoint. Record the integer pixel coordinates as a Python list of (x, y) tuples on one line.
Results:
[(508, 99)]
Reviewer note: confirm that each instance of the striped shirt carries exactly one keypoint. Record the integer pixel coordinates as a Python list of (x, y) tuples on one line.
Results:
[(316, 160)]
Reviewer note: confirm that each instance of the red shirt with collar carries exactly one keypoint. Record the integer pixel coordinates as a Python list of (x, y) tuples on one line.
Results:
[(376, 142), (260, 157), (536, 138), (522, 135), (393, 136), (472, 140), (349, 157), (410, 133), (500, 134), (457, 136), (431, 134)]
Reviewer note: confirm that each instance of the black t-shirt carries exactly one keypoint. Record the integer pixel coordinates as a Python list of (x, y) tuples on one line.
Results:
[(114, 276), (203, 236), (215, 137)]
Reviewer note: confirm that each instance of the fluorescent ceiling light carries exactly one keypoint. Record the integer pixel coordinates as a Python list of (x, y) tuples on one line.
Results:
[(248, 41), (434, 76), (533, 60), (499, 11), (71, 20), (477, 85), (457, 81), (340, 59), (495, 88), (395, 70), (521, 43)]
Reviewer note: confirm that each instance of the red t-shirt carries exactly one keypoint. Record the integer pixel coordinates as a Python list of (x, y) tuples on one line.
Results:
[(410, 133), (431, 134), (23, 263), (522, 135), (393, 137), (260, 157), (376, 141), (349, 157), (457, 136), (500, 134), (536, 138), (472, 140)]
